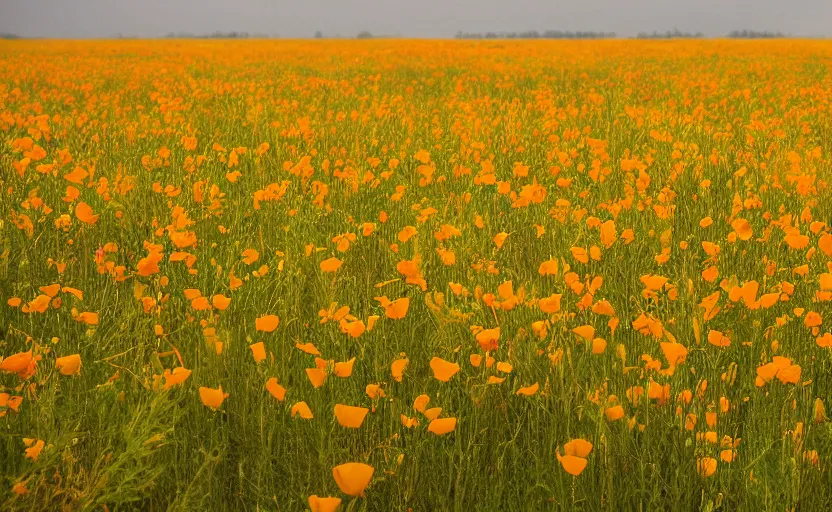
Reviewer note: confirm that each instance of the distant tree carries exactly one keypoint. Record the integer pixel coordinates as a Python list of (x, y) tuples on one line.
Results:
[(754, 34), (4, 35), (670, 34), (364, 34), (318, 34), (534, 34)]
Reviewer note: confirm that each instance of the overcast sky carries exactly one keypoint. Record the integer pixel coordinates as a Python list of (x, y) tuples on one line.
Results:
[(413, 18)]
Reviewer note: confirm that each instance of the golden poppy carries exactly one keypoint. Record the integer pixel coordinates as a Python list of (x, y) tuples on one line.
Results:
[(718, 339), (68, 365), (706, 466), (421, 402), (317, 504), (331, 265), (343, 369), (221, 302), (578, 448), (349, 416), (504, 367), (432, 413), (441, 426), (35, 446), (409, 422), (443, 370), (51, 290), (275, 389), (177, 376), (355, 328), (397, 309), (551, 304), (309, 348), (397, 368), (586, 332), (85, 214), (267, 323), (250, 256), (500, 239), (488, 338), (548, 268), (16, 363), (212, 398), (258, 350), (316, 376), (614, 413), (191, 293), (353, 477), (743, 229), (374, 391), (529, 390), (302, 409), (200, 304)]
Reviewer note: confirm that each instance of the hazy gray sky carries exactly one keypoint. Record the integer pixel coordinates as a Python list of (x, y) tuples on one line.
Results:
[(415, 18)]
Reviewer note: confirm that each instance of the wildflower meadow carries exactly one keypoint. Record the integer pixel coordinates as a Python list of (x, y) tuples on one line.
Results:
[(413, 275)]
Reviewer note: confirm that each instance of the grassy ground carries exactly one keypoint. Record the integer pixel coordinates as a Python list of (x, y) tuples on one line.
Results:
[(667, 201)]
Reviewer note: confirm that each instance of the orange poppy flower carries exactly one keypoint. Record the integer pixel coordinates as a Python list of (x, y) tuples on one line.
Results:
[(317, 504), (397, 309), (421, 403), (68, 365), (309, 348), (548, 268), (717, 339), (343, 369), (706, 466), (578, 448), (529, 390), (614, 413), (316, 376), (441, 426), (374, 391), (258, 350), (177, 376), (353, 477), (16, 363), (275, 389), (212, 398), (551, 304), (250, 256), (221, 302), (443, 370), (85, 214), (267, 323), (488, 338), (432, 413), (302, 409), (743, 229), (35, 446), (331, 265), (397, 368), (573, 465), (349, 416), (586, 332)]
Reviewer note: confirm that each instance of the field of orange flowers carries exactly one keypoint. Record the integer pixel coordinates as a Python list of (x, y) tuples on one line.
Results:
[(415, 275)]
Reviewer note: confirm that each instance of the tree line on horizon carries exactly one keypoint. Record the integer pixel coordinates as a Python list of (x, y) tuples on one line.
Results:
[(529, 34), (670, 34)]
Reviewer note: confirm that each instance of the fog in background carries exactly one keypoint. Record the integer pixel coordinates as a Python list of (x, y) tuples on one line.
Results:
[(413, 18)]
